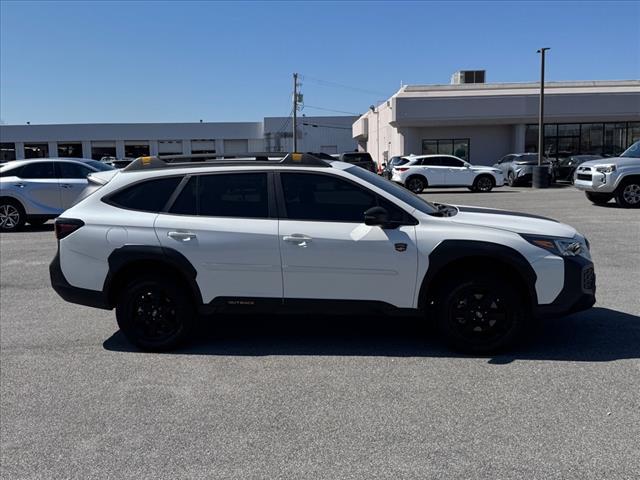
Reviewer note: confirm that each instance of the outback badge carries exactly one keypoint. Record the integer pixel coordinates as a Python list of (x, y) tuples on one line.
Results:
[(401, 247)]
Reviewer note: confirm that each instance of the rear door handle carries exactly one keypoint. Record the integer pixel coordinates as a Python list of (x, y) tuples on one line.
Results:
[(65, 185), (182, 236), (21, 185)]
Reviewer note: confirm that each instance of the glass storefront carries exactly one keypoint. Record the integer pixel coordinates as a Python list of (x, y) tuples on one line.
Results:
[(70, 150), (7, 152), (565, 139), (458, 147)]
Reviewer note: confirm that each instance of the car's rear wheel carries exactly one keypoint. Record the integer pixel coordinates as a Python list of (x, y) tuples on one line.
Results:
[(483, 183), (155, 313), (628, 194), (416, 184), (478, 313), (598, 198), (12, 215)]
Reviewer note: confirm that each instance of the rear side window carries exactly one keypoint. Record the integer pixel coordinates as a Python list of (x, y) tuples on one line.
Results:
[(148, 196), (451, 162), (38, 170), (240, 195)]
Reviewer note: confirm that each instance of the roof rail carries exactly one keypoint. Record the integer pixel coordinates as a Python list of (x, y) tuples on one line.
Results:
[(218, 160)]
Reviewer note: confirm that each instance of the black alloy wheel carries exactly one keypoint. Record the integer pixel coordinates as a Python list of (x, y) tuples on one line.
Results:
[(483, 183), (511, 179), (416, 184), (481, 314), (155, 314)]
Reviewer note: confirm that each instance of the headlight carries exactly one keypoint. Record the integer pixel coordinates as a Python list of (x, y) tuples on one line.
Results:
[(563, 247), (606, 168)]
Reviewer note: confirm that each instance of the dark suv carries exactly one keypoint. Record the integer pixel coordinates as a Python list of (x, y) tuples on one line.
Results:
[(360, 159)]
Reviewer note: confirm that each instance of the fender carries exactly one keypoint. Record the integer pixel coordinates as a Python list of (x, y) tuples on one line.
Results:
[(450, 251), (124, 256)]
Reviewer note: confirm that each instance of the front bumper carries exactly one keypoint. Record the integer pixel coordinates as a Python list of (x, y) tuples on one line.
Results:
[(81, 296), (578, 292)]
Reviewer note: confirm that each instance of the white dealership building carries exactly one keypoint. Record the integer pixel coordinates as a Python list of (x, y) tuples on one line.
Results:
[(482, 122), (120, 140)]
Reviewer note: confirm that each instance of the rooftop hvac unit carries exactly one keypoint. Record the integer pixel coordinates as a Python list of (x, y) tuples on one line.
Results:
[(468, 76)]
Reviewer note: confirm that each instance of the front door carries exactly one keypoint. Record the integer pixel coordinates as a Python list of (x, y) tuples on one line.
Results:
[(329, 253), (224, 225), (72, 177), (457, 172)]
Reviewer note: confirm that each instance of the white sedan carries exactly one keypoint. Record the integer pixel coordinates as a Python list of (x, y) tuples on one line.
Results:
[(422, 171)]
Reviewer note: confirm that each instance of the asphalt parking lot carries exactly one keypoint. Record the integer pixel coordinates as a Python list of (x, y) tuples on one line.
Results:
[(317, 398)]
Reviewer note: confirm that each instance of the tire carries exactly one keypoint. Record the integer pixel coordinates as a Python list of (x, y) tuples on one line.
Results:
[(628, 194), (37, 222), (479, 313), (599, 198), (511, 180), (416, 184), (483, 183), (155, 313), (12, 215)]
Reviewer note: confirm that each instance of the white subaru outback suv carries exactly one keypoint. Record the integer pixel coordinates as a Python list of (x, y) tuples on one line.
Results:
[(609, 178), (162, 242), (417, 172)]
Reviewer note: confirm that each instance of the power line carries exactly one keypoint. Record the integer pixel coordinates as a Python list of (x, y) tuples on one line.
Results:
[(330, 110), (328, 83), (325, 126)]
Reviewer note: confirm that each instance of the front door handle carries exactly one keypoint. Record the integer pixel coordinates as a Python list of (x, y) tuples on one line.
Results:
[(20, 185), (298, 238), (181, 236)]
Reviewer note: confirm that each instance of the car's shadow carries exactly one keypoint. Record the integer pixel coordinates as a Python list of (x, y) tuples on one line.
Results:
[(46, 227), (597, 335)]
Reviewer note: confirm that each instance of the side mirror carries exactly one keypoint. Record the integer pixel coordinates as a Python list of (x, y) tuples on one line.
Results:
[(376, 216)]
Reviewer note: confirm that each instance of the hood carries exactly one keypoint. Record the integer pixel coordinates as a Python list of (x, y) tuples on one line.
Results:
[(618, 161), (512, 221)]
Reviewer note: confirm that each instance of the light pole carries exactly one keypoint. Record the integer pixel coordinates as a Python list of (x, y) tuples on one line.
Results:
[(373, 109), (540, 174)]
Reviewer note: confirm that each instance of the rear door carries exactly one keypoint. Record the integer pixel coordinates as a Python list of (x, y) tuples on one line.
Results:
[(38, 183), (457, 173), (329, 253), (433, 169), (225, 224), (72, 177)]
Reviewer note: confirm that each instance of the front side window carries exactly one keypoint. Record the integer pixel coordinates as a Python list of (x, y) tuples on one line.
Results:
[(430, 162), (72, 170), (40, 170), (147, 196), (240, 195), (314, 197)]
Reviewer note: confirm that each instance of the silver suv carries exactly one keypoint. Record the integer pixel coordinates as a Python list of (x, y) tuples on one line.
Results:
[(609, 178), (37, 190)]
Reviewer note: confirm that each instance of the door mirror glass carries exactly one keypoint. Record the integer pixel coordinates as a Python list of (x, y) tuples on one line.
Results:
[(376, 216)]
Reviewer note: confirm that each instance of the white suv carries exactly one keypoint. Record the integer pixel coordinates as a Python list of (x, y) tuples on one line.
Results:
[(422, 171), (162, 242), (608, 178)]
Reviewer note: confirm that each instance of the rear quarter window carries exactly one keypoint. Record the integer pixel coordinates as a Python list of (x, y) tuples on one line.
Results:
[(11, 172), (146, 196)]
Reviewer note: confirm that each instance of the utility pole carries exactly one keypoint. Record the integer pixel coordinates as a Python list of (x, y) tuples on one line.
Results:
[(540, 174), (295, 112)]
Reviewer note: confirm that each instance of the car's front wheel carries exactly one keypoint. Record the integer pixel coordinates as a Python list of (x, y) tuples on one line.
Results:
[(598, 198), (483, 183), (511, 179), (416, 184), (12, 215), (479, 313), (155, 312), (628, 194)]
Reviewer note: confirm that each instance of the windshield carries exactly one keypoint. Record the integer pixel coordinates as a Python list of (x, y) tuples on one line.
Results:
[(391, 188), (633, 151)]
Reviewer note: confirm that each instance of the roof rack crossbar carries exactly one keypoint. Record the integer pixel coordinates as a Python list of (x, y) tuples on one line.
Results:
[(236, 159)]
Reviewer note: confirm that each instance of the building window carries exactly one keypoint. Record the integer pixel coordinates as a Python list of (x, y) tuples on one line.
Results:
[(203, 146), (136, 149), (100, 150), (70, 150), (457, 146), (36, 150), (565, 139), (170, 147), (7, 152)]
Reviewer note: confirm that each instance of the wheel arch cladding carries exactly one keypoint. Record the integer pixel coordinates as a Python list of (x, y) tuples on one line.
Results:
[(136, 259), (459, 255)]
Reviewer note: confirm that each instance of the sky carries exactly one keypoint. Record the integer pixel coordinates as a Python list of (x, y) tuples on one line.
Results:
[(110, 62)]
